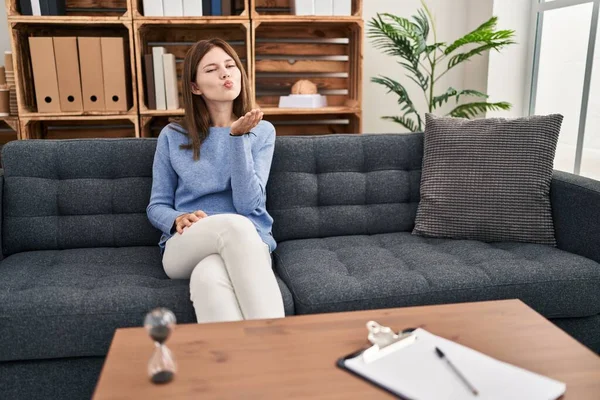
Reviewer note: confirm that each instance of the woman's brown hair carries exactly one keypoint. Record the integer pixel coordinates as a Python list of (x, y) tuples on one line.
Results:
[(196, 120)]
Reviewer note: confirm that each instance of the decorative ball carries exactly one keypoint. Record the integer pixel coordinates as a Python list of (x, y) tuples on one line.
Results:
[(304, 86)]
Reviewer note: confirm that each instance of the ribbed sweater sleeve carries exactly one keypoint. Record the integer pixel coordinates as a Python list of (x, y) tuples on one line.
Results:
[(250, 170), (160, 210)]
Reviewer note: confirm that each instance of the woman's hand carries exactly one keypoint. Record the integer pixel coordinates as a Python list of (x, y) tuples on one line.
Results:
[(246, 122), (187, 220)]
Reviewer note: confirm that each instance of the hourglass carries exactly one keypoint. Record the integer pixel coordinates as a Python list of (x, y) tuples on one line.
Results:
[(159, 323)]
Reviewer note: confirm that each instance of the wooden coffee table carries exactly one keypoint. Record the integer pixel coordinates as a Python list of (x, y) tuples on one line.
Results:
[(295, 357)]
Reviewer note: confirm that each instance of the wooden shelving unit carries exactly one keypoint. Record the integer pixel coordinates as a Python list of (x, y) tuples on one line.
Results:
[(277, 49)]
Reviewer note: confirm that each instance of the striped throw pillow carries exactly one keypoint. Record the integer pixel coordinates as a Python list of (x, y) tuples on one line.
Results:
[(488, 179)]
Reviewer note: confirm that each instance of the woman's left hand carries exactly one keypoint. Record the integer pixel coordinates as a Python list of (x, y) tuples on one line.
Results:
[(245, 123)]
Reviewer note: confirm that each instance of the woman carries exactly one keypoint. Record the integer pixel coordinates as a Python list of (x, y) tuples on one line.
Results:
[(208, 191)]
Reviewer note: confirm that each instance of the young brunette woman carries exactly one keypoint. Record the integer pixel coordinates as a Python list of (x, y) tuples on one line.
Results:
[(208, 191)]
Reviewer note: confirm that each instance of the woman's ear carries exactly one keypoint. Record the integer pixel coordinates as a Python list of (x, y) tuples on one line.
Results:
[(196, 89)]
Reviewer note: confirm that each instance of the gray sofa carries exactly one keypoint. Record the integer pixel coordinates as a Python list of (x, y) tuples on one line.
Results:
[(81, 259)]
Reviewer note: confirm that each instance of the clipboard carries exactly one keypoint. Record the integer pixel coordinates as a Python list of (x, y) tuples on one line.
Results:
[(406, 365)]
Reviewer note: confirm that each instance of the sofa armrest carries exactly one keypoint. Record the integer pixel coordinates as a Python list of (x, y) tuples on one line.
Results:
[(1, 212), (576, 213)]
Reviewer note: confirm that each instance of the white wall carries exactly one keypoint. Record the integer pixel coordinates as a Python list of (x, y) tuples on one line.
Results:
[(453, 19), (509, 71), (4, 36)]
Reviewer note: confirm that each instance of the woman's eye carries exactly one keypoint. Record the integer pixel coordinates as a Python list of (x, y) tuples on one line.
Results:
[(210, 70), (231, 66)]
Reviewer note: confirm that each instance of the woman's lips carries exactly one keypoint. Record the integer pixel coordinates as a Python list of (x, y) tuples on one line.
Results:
[(228, 84)]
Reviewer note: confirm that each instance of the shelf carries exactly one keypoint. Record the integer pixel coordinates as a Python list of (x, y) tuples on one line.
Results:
[(72, 127), (315, 124), (177, 39), (138, 14), (305, 18), (79, 115), (159, 113), (61, 20), (281, 9), (81, 10), (310, 111), (190, 20), (20, 33), (329, 54)]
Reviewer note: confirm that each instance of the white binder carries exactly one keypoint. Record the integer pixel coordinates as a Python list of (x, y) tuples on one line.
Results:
[(153, 8), (173, 8), (172, 94), (411, 369), (192, 8), (159, 77)]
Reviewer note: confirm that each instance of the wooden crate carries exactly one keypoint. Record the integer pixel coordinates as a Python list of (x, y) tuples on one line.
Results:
[(150, 126), (80, 127), (78, 10), (239, 7), (9, 131), (327, 53), (315, 124), (178, 39), (20, 32), (275, 9)]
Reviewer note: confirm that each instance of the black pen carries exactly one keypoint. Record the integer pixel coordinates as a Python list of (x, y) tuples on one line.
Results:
[(456, 371)]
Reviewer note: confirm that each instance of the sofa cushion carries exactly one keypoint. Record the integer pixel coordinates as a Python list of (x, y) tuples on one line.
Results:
[(400, 270), (488, 179), (68, 303), (344, 185)]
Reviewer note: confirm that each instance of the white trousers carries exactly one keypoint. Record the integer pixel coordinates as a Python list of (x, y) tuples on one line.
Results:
[(229, 267)]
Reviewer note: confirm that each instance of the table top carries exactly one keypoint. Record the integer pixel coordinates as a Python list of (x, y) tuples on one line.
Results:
[(295, 357)]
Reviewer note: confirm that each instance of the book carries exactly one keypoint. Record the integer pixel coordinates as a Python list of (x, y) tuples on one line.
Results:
[(226, 7), (215, 7), (153, 8), (192, 8), (150, 90), (159, 77), (25, 7), (323, 7), (207, 7), (172, 94), (303, 7), (36, 8), (342, 7), (173, 8), (53, 7)]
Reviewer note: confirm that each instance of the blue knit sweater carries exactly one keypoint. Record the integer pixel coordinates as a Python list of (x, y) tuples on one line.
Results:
[(230, 177)]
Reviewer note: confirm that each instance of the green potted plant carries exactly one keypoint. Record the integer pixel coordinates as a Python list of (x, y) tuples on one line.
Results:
[(425, 63)]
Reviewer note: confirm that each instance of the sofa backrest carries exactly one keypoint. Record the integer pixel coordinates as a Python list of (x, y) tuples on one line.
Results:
[(344, 185), (61, 194)]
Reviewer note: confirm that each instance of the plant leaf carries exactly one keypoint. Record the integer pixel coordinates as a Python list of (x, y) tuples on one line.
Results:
[(471, 110), (438, 101), (481, 34), (405, 122), (458, 58)]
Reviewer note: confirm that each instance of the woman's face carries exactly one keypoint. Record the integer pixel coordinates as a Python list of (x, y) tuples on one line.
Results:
[(217, 77)]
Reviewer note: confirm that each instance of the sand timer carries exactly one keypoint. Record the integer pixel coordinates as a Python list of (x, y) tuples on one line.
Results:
[(159, 323)]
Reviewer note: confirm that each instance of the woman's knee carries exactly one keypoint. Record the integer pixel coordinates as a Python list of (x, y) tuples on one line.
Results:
[(209, 272), (236, 223)]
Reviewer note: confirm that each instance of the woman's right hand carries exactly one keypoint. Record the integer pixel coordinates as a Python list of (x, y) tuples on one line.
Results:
[(187, 220)]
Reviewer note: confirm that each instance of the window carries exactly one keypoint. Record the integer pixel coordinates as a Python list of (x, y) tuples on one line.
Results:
[(566, 80)]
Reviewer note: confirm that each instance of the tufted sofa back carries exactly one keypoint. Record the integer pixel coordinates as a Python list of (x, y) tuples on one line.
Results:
[(344, 185), (60, 194)]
